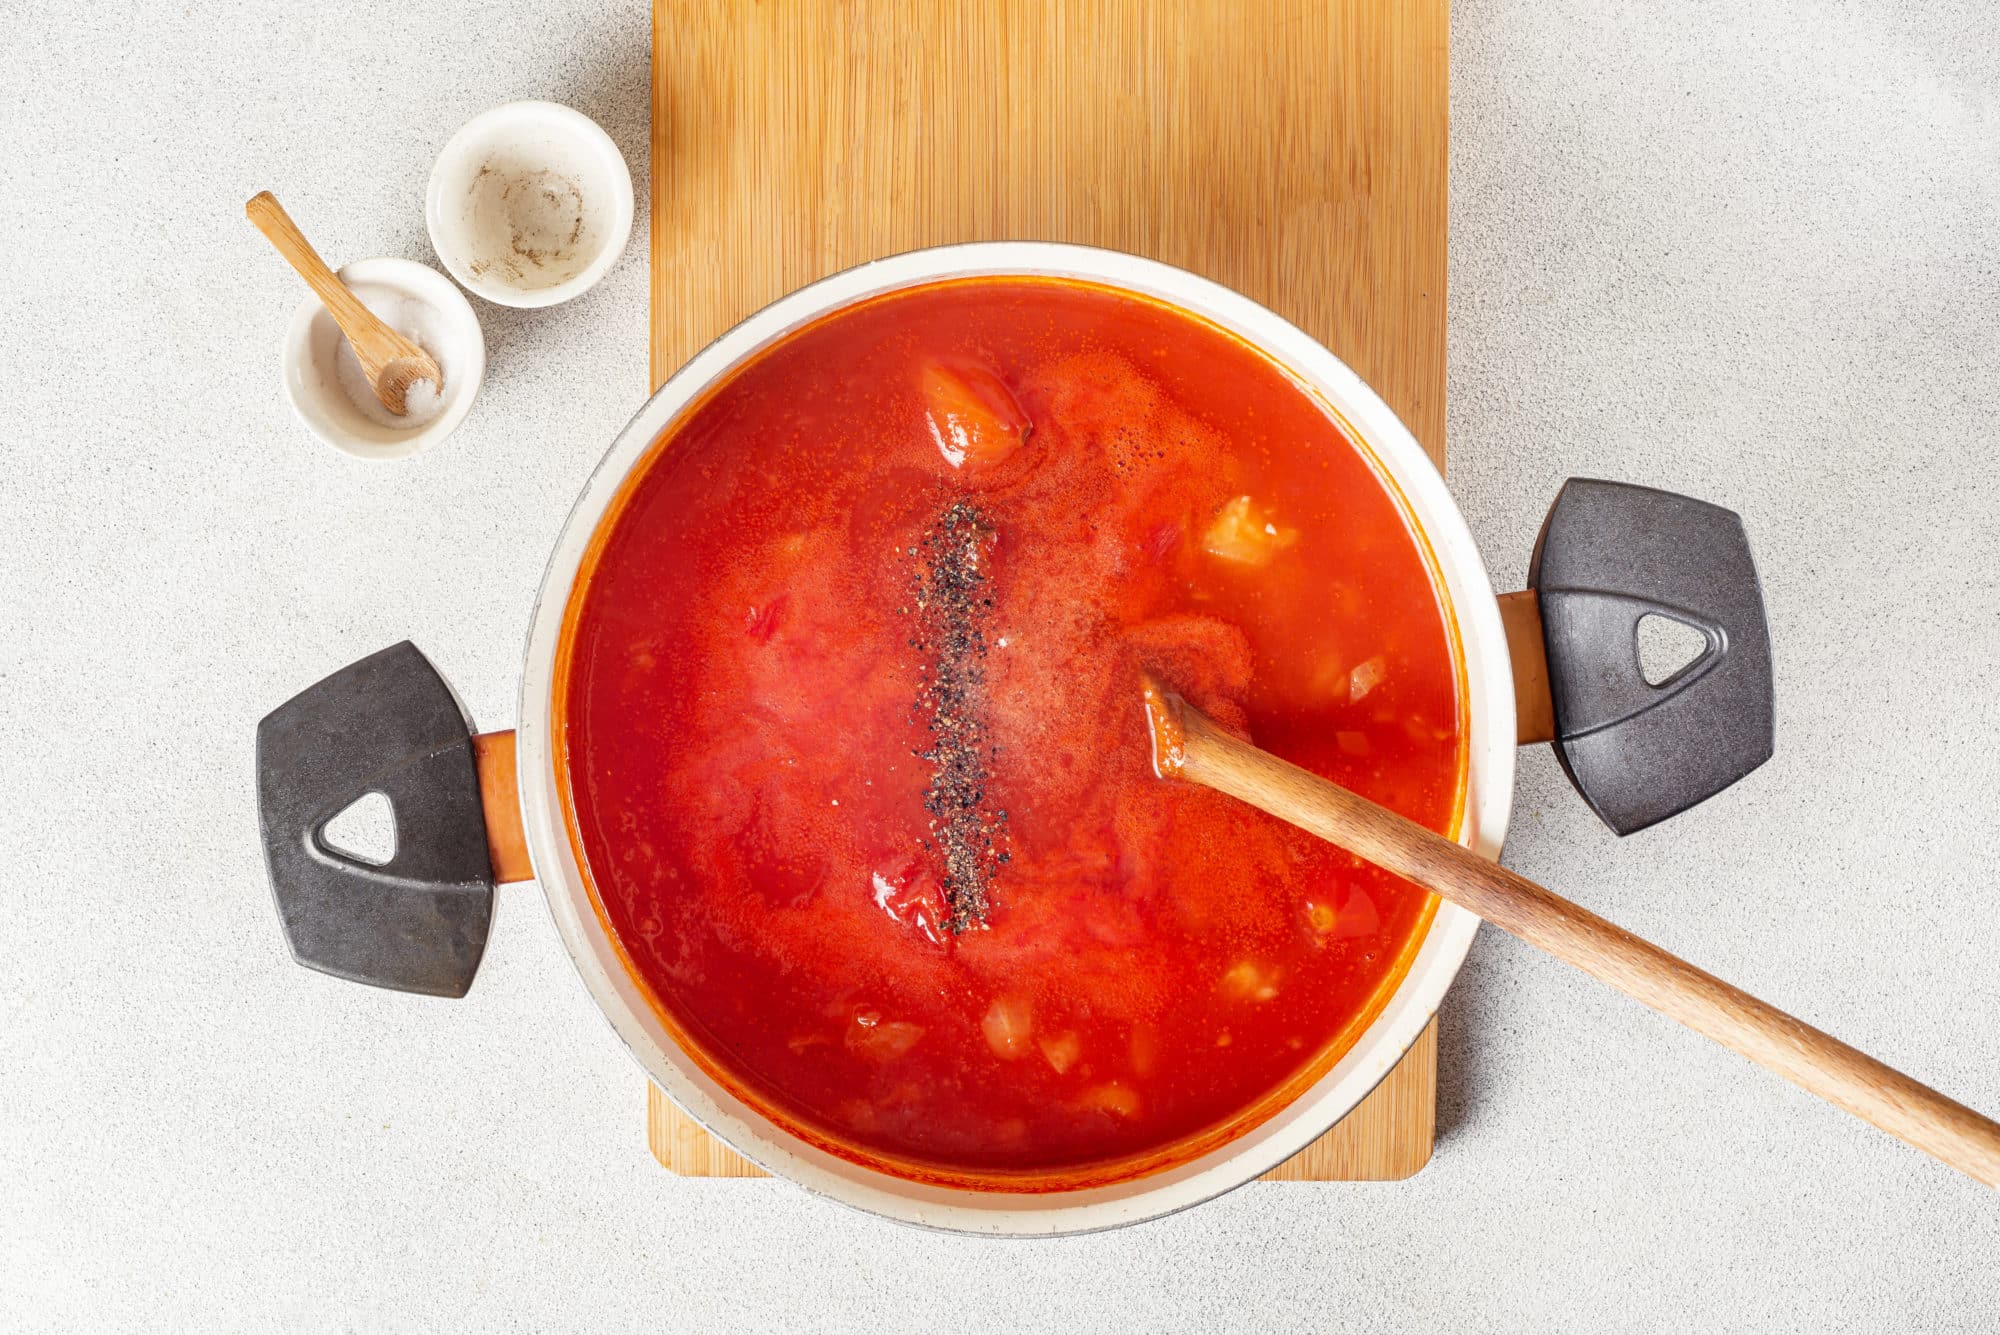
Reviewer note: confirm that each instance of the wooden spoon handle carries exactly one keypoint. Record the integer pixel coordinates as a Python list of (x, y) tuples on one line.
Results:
[(355, 320), (1814, 1061)]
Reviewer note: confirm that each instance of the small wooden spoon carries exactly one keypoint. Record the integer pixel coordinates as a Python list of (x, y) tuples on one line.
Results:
[(1189, 745), (392, 363)]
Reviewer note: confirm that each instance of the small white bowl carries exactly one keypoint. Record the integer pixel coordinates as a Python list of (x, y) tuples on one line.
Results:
[(313, 344), (529, 204)]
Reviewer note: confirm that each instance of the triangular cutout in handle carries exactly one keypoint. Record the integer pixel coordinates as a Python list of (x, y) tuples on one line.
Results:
[(1610, 555)]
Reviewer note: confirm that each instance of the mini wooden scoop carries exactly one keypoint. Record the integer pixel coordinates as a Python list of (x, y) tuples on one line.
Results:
[(392, 363), (1188, 745)]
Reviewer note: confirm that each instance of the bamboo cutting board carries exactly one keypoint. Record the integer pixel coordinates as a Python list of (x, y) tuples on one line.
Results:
[(1295, 151)]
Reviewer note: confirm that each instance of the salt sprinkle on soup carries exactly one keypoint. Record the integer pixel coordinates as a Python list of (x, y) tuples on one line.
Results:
[(856, 762)]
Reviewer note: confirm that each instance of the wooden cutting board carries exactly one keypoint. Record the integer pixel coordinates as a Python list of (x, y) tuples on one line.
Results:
[(1293, 150)]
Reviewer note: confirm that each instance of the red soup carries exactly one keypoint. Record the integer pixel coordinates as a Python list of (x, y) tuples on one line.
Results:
[(858, 768)]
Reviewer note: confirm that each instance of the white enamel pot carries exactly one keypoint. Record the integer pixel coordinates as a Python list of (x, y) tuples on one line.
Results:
[(388, 724)]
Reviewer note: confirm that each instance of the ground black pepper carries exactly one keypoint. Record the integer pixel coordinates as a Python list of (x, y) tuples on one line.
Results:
[(951, 607)]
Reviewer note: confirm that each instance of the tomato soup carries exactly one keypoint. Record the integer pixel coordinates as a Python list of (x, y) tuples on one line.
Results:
[(856, 759)]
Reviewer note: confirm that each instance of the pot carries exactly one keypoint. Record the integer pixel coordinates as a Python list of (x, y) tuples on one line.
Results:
[(1558, 662)]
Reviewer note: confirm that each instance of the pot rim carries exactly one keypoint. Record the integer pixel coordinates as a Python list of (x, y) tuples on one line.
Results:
[(1489, 784)]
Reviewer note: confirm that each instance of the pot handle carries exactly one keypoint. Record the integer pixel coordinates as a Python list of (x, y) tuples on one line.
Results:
[(388, 725), (1609, 555)]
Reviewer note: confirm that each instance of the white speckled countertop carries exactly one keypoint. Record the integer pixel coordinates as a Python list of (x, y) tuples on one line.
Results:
[(1751, 251)]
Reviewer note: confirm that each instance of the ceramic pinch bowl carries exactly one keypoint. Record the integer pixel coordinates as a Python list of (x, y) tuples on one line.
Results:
[(324, 382), (529, 204)]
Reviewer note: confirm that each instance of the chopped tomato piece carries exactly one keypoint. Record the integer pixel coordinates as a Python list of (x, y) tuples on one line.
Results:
[(1145, 1050), (1250, 980), (762, 622), (1062, 1051), (1365, 677), (869, 1035), (1358, 917), (1006, 1024), (1244, 532), (974, 418), (1111, 1097)]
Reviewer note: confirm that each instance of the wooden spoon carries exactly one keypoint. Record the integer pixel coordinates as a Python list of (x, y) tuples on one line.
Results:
[(392, 363), (1189, 745)]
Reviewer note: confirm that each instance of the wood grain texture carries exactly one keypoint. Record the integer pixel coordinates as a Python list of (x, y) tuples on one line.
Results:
[(682, 1147), (1528, 654), (1814, 1061), (500, 801), (1294, 150)]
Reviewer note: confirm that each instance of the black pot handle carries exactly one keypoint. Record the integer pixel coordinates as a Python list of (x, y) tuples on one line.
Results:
[(390, 725), (1610, 554)]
